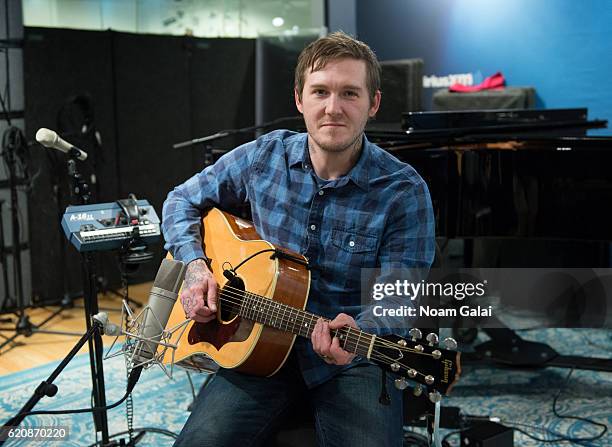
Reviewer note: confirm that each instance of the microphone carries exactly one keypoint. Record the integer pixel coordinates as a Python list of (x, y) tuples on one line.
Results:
[(163, 295), (51, 139), (146, 331)]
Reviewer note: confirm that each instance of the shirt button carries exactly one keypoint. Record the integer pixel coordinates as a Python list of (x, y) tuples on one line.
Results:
[(321, 192), (351, 243), (313, 227)]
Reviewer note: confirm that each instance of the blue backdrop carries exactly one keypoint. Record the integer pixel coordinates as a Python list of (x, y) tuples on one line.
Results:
[(563, 48)]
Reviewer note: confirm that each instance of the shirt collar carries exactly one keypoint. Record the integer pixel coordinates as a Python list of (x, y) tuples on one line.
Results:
[(298, 151), (298, 155), (359, 174)]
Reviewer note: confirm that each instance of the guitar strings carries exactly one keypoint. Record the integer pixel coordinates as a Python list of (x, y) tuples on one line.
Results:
[(238, 300), (241, 296), (279, 312)]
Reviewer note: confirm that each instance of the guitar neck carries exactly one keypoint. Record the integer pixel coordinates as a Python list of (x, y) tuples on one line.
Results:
[(426, 364), (280, 316)]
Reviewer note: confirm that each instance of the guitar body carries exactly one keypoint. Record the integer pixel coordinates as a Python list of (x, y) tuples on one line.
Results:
[(232, 341)]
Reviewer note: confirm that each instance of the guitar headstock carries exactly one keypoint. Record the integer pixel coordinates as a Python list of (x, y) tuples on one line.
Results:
[(421, 361)]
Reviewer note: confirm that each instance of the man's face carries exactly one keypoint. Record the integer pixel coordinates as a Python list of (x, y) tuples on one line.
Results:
[(336, 104)]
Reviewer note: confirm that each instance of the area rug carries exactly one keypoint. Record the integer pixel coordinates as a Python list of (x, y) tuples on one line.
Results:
[(520, 398), (158, 402)]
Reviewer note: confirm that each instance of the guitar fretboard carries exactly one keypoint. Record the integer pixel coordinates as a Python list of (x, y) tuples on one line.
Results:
[(289, 319)]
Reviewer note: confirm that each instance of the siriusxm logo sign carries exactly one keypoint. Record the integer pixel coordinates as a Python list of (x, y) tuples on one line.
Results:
[(435, 81)]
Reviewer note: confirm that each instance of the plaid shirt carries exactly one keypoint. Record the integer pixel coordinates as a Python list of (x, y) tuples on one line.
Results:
[(379, 215)]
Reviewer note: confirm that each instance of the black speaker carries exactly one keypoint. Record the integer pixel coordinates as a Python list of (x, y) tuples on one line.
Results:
[(488, 434), (402, 89)]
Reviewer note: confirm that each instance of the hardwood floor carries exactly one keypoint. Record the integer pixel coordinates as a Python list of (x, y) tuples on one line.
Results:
[(41, 348)]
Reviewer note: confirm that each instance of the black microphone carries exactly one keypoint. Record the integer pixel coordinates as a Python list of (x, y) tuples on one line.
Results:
[(50, 139)]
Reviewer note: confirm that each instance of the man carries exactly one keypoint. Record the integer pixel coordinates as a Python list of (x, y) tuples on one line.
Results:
[(346, 205)]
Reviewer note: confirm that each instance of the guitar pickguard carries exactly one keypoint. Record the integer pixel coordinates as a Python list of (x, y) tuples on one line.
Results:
[(218, 334)]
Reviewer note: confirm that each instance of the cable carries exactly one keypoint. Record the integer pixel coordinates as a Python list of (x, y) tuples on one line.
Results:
[(558, 436), (134, 376), (142, 429), (513, 424), (578, 418), (129, 403), (233, 270), (595, 345), (448, 435), (413, 439), (193, 393)]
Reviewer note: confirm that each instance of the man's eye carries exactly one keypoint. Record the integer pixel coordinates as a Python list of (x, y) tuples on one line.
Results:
[(319, 92), (351, 93)]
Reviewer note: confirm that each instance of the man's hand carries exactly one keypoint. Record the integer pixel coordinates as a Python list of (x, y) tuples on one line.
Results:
[(199, 293), (327, 347)]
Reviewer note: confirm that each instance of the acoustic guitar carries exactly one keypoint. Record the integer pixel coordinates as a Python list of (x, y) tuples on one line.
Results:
[(263, 290)]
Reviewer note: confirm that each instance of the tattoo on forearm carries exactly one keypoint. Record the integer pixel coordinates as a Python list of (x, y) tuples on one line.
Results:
[(197, 273)]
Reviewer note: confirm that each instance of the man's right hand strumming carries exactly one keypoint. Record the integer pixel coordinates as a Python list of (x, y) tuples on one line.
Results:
[(199, 293)]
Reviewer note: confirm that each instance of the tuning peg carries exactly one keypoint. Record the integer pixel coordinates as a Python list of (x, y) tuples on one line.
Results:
[(429, 380), (418, 390), (415, 333), (412, 373), (432, 339), (402, 343), (395, 367), (450, 343), (436, 354), (435, 397), (401, 383)]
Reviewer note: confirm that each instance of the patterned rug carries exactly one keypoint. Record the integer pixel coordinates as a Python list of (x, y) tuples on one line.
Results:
[(515, 396), (157, 401), (523, 397)]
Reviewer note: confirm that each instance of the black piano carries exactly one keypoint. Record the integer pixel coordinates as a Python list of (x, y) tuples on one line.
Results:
[(514, 175), (526, 182)]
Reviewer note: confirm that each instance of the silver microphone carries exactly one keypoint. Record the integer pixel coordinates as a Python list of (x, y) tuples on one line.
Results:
[(50, 139), (163, 295), (147, 341)]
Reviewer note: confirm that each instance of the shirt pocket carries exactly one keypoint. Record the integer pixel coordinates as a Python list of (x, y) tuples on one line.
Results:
[(354, 242)]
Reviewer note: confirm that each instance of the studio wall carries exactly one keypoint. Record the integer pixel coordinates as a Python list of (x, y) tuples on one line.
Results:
[(146, 93), (563, 48)]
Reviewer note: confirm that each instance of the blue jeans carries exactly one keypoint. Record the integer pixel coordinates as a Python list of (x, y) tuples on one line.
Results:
[(240, 410)]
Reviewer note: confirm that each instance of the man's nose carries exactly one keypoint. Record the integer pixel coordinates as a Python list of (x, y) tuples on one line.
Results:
[(333, 105)]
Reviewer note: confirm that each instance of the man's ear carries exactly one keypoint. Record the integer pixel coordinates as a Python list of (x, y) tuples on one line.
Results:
[(375, 104), (298, 101)]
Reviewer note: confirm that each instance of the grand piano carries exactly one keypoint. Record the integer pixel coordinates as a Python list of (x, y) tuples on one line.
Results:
[(531, 180), (519, 175)]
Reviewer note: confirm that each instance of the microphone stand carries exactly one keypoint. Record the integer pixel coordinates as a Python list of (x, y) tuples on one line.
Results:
[(80, 192), (46, 387), (226, 133), (93, 336), (24, 326)]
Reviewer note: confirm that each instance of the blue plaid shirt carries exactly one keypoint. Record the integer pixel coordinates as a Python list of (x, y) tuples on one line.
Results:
[(379, 215)]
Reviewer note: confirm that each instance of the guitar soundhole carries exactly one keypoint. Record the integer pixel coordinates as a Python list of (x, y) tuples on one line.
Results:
[(231, 295)]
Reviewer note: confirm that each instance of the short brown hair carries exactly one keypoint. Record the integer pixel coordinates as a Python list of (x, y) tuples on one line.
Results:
[(335, 46)]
